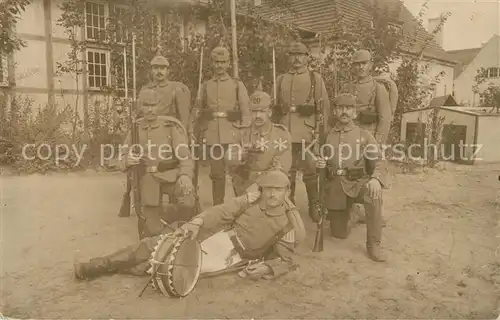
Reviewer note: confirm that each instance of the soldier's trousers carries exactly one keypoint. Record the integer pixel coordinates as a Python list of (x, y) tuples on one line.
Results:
[(181, 207), (301, 161), (341, 220), (216, 155)]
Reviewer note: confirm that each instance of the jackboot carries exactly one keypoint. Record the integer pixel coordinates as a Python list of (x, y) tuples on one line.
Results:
[(312, 197), (218, 191), (373, 210), (118, 261)]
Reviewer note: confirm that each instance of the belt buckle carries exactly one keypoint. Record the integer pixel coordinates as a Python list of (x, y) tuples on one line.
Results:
[(293, 109), (219, 114), (340, 172)]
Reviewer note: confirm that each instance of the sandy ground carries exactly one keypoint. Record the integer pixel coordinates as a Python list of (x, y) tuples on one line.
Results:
[(440, 240)]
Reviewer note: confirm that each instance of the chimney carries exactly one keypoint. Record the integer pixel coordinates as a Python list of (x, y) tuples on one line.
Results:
[(438, 36)]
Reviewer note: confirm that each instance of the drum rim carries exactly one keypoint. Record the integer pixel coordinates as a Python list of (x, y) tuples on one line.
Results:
[(171, 258)]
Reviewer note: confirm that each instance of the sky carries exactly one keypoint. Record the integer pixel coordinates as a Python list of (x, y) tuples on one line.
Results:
[(471, 23)]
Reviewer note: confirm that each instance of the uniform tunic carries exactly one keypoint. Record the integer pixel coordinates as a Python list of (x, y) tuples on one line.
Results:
[(276, 154), (373, 96), (352, 146), (175, 100), (294, 88), (219, 94)]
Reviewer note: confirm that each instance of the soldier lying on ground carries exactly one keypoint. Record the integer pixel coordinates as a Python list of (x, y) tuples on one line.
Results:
[(353, 175), (255, 225)]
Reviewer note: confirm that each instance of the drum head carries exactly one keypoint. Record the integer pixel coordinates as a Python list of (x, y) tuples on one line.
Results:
[(178, 274)]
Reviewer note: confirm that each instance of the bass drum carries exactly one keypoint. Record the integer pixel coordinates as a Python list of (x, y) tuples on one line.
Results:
[(177, 262)]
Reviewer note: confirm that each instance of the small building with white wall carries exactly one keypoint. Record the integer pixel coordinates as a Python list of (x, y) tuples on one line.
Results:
[(469, 135)]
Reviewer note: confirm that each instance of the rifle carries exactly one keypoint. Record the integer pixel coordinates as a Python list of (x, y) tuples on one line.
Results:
[(198, 133), (125, 206), (319, 135)]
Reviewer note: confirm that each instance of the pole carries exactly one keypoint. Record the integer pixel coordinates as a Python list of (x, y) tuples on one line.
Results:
[(133, 69), (234, 39), (274, 75), (125, 75)]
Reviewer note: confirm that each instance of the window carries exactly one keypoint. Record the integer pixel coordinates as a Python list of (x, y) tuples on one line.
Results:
[(119, 74), (492, 72), (95, 20), (98, 63), (122, 34), (4, 71)]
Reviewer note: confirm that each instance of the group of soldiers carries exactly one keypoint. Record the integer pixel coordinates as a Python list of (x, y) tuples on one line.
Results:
[(260, 144)]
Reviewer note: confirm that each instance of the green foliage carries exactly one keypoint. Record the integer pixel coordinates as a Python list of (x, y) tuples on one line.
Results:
[(10, 12)]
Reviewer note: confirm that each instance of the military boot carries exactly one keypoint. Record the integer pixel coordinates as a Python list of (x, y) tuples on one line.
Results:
[(218, 191), (373, 212), (120, 260), (312, 196)]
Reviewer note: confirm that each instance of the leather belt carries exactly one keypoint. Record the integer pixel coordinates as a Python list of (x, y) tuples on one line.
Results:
[(219, 115), (151, 169), (238, 245)]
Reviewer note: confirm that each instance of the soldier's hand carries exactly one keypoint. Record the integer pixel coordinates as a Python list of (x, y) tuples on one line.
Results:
[(374, 188), (257, 271), (321, 163), (253, 196), (191, 228), (185, 184), (132, 160)]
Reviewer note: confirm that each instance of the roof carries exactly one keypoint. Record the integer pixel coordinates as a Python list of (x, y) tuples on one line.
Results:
[(447, 100), (318, 16), (464, 57)]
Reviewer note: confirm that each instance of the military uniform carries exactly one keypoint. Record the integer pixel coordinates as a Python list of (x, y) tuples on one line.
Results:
[(224, 103), (354, 162), (268, 148), (374, 105), (253, 232), (163, 141), (295, 89), (175, 97)]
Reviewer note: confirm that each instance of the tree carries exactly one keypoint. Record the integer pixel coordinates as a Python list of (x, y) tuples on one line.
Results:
[(10, 11), (491, 95)]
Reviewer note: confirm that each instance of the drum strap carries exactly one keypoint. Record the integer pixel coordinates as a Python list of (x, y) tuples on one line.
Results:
[(257, 253)]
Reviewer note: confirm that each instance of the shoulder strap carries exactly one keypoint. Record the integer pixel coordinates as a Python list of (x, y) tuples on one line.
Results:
[(237, 83), (278, 88)]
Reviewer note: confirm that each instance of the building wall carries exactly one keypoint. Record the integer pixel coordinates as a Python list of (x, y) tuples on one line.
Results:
[(489, 56), (450, 117), (488, 138)]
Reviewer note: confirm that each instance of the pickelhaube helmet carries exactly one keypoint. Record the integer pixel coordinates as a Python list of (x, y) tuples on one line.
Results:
[(361, 56), (160, 60), (274, 179), (220, 54)]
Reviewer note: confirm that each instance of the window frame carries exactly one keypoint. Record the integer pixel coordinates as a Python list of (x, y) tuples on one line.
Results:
[(106, 18), (108, 67), (126, 36)]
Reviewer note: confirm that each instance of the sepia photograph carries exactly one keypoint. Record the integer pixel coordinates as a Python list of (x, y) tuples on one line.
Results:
[(249, 159)]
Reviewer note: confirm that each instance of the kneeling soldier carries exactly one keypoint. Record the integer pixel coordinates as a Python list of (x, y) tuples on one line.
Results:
[(167, 167), (353, 166), (259, 148)]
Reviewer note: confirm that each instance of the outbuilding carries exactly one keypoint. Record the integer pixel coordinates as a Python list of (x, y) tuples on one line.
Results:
[(469, 135)]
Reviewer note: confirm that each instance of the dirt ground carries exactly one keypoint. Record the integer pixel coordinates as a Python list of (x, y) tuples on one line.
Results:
[(440, 238)]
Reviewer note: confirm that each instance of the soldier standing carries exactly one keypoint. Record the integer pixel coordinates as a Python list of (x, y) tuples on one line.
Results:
[(259, 148), (224, 102), (301, 95), (374, 105), (353, 175), (168, 166), (174, 97)]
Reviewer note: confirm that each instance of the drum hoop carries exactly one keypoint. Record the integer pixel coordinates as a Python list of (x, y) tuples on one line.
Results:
[(167, 287)]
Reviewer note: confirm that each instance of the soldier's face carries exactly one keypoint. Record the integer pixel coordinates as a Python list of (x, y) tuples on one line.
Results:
[(345, 113), (261, 117), (297, 60), (220, 66), (362, 69), (273, 196), (159, 72)]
